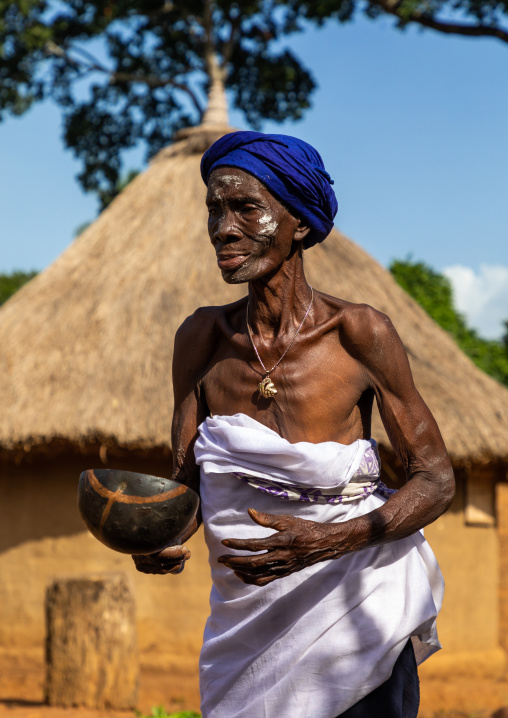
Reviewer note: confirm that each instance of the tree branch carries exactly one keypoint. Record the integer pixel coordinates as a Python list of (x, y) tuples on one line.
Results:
[(93, 62), (154, 82), (53, 49), (209, 50), (122, 77), (450, 28), (229, 45)]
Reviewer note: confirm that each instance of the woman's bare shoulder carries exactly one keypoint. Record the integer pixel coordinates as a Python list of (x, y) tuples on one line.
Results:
[(197, 336), (354, 320)]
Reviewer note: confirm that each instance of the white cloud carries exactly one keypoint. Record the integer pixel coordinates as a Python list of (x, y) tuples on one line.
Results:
[(482, 297)]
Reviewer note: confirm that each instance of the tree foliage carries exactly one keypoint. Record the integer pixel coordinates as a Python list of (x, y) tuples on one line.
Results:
[(10, 283), (146, 67), (433, 291), (135, 71), (469, 18)]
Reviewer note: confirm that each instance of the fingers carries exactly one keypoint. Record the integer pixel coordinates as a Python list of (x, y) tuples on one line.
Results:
[(278, 522), (247, 563), (262, 578), (280, 539), (171, 560), (160, 569), (173, 552), (278, 558), (255, 581), (261, 569), (177, 569), (264, 544)]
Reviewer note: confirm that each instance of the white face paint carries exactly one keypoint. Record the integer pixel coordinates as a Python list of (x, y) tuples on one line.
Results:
[(231, 179), (218, 195), (224, 181), (268, 223)]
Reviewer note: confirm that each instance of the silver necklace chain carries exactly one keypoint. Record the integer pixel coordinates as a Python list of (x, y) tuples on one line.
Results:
[(269, 371)]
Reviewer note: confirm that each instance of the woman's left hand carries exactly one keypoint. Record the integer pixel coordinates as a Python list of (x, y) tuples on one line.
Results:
[(298, 543)]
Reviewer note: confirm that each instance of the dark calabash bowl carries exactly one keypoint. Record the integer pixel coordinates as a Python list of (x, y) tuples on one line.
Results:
[(135, 513)]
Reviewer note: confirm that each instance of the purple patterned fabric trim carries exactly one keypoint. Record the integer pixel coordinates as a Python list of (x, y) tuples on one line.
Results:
[(364, 482), (383, 490), (295, 493), (370, 465)]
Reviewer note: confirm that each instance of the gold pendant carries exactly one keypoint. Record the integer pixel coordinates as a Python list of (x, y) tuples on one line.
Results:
[(267, 388)]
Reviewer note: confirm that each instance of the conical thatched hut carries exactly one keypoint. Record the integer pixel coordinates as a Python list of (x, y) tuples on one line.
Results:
[(85, 378)]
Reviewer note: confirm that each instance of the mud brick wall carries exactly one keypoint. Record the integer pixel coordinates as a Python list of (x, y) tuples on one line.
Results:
[(502, 525)]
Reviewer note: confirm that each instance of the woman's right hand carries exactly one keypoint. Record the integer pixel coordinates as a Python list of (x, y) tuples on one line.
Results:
[(171, 560)]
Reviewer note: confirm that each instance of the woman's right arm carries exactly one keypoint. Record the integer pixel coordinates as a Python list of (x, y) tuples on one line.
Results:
[(191, 353)]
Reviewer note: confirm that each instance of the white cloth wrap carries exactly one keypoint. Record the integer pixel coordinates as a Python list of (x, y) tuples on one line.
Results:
[(312, 644)]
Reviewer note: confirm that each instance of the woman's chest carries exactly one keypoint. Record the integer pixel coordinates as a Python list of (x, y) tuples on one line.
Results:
[(318, 393)]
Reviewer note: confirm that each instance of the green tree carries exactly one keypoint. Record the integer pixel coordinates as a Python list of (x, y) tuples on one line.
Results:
[(147, 66), (108, 195), (10, 283), (433, 291), (134, 72), (468, 18), (505, 335)]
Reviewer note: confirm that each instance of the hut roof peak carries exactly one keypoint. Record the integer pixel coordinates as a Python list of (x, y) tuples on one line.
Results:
[(216, 113), (215, 124)]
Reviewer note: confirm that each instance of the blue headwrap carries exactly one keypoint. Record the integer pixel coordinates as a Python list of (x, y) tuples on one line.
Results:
[(290, 168)]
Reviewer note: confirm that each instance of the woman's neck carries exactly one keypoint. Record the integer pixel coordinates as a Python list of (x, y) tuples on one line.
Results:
[(278, 302)]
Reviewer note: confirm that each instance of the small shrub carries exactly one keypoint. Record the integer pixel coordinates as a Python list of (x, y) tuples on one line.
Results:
[(160, 712), (10, 283)]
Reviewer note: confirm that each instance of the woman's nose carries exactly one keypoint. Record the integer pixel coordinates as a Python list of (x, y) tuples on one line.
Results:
[(225, 228)]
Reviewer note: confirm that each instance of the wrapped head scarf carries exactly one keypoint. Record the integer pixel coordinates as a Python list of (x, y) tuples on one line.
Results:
[(290, 169)]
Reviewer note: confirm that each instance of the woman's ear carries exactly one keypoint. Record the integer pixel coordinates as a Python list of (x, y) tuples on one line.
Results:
[(301, 231)]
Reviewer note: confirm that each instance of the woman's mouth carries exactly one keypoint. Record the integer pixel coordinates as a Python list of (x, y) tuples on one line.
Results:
[(230, 261)]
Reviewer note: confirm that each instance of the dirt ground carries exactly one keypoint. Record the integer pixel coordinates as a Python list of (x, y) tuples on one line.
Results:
[(22, 679), (22, 691)]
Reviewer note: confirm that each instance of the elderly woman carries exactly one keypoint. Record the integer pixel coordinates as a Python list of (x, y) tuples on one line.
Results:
[(329, 594)]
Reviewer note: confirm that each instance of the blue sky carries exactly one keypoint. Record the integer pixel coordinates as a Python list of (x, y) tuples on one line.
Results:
[(413, 127)]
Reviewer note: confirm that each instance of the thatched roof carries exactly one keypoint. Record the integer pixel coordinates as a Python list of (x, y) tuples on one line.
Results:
[(86, 346)]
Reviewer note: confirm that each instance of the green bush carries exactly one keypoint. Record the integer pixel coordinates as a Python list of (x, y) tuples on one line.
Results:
[(10, 283), (160, 712), (433, 291)]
